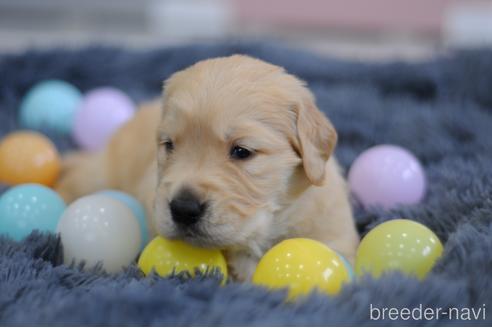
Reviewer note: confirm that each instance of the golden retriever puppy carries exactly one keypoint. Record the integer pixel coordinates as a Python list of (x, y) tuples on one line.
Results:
[(236, 156)]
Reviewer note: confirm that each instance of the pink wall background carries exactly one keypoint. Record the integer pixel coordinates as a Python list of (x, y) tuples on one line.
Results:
[(421, 16)]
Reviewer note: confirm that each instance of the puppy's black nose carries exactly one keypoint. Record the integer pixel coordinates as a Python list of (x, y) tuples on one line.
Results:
[(186, 208)]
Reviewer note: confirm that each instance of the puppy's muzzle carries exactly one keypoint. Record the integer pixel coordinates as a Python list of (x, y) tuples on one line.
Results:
[(186, 208)]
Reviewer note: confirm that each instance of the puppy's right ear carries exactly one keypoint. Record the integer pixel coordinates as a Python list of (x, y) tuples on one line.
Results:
[(316, 138)]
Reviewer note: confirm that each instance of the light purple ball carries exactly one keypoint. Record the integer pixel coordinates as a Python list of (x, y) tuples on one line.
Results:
[(387, 176), (101, 113)]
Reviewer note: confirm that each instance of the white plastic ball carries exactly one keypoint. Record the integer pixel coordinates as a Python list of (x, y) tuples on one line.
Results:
[(99, 228)]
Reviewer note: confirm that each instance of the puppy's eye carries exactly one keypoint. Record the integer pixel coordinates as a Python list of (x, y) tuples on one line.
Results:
[(168, 144), (238, 152)]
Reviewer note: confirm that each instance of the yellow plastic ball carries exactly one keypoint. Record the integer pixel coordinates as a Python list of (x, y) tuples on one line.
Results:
[(401, 245), (301, 265), (175, 256), (28, 157)]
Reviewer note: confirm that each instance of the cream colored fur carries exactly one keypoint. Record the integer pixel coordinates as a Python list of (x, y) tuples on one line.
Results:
[(290, 187)]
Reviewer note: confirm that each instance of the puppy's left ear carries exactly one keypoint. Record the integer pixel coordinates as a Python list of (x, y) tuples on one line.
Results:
[(316, 138)]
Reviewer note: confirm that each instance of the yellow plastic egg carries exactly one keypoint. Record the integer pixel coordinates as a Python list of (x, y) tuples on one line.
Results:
[(168, 256), (301, 265), (28, 157), (401, 245)]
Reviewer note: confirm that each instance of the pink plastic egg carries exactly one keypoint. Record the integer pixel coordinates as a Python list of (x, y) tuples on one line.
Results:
[(101, 113), (387, 176)]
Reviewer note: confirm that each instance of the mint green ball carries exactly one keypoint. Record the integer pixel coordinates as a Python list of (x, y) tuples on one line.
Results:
[(50, 105), (29, 207), (349, 267)]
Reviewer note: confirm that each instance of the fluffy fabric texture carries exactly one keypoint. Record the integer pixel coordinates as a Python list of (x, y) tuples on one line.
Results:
[(440, 110)]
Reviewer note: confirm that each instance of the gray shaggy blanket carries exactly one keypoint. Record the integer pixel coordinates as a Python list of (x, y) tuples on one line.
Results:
[(440, 109)]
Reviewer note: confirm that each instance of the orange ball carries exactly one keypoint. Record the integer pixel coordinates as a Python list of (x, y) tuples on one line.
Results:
[(28, 157)]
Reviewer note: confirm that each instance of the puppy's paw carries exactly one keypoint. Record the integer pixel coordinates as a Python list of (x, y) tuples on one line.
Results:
[(241, 265)]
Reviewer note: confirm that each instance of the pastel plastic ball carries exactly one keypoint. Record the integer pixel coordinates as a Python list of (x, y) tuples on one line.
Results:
[(402, 245), (28, 157), (99, 229), (175, 256), (50, 104), (387, 176), (301, 265), (347, 264), (101, 113), (137, 210), (29, 207)]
